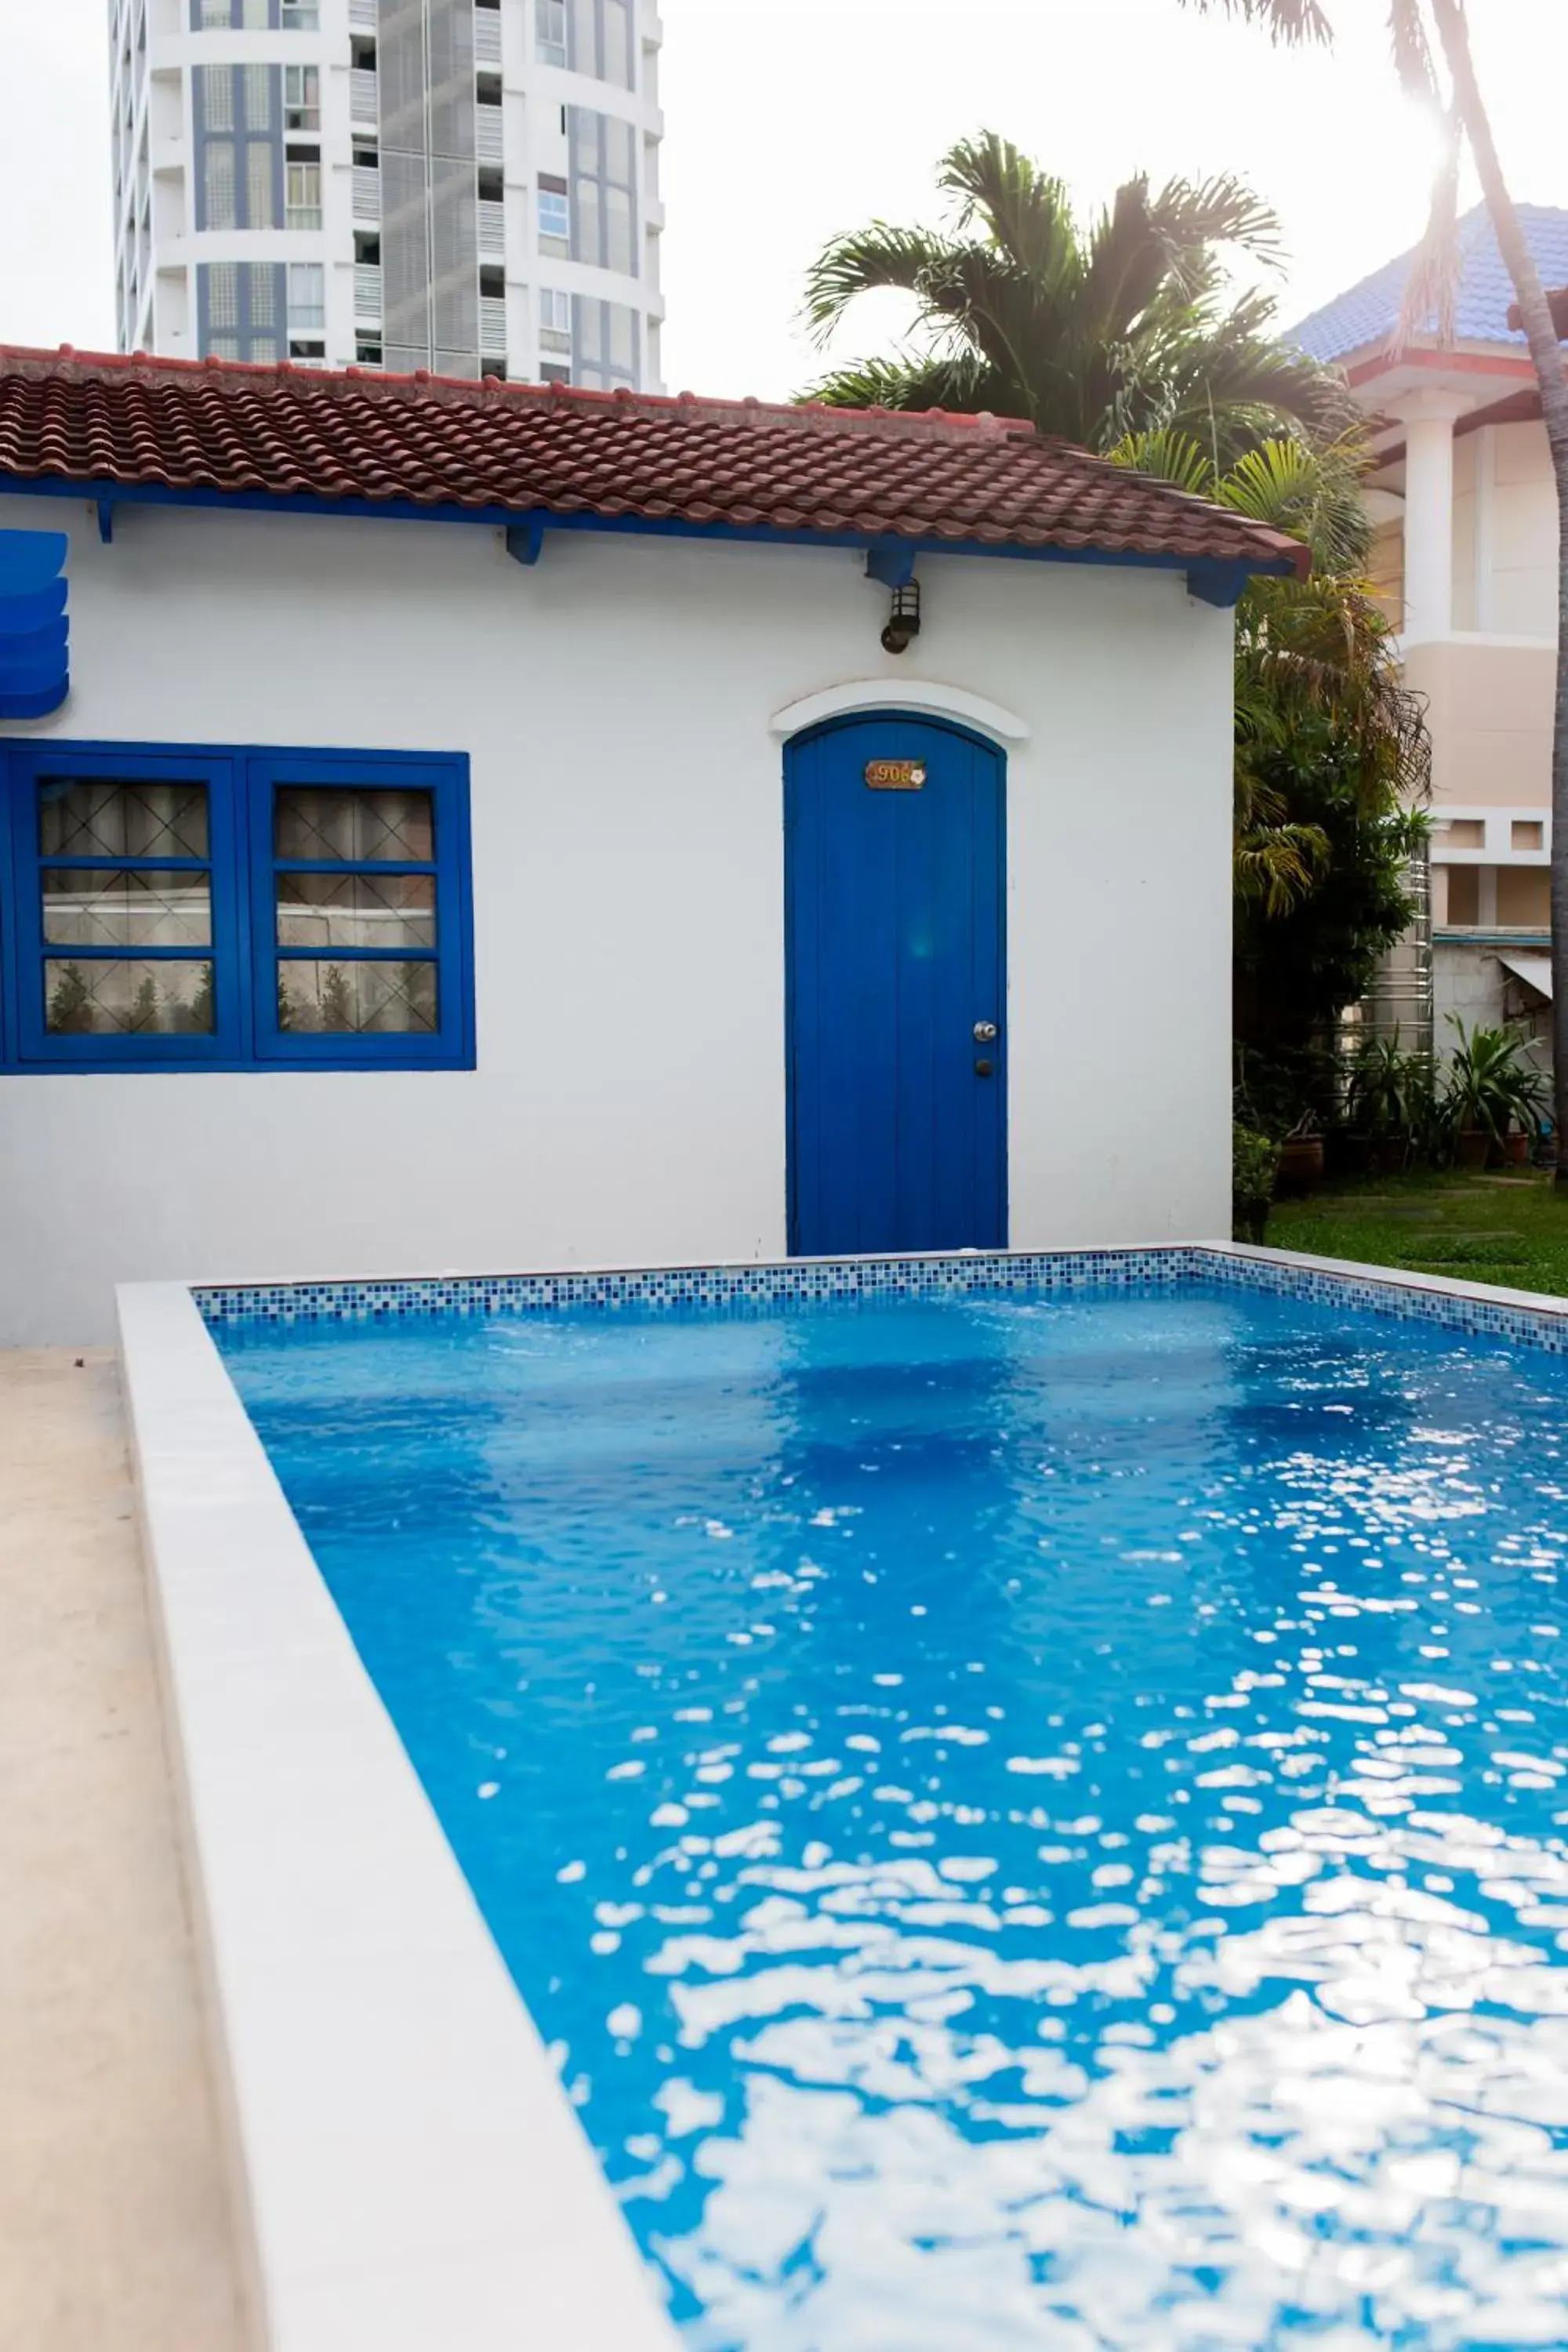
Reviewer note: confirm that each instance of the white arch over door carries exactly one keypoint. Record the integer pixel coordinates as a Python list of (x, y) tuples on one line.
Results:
[(923, 697)]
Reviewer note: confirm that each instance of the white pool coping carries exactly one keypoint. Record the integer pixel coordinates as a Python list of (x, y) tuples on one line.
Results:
[(408, 2173)]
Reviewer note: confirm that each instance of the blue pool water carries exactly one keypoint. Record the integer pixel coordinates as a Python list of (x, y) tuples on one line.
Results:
[(1028, 1825)]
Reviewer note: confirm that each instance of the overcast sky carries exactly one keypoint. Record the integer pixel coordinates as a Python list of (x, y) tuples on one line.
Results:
[(787, 119)]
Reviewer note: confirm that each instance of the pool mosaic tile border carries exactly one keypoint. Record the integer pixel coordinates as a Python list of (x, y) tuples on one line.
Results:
[(1466, 1307), (1473, 1309), (802, 1282)]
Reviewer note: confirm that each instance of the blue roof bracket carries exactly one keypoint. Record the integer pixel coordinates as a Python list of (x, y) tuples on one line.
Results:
[(525, 540), (106, 521), (892, 562), (1219, 583)]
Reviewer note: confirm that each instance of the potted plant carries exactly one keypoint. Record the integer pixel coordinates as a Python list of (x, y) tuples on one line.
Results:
[(1381, 1103), (1300, 1165), (1491, 1090), (1254, 1158)]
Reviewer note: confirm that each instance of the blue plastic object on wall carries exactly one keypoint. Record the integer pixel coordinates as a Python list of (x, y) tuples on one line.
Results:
[(35, 634)]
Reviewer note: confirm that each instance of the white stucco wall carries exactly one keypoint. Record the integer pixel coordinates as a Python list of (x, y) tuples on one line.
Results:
[(628, 1106)]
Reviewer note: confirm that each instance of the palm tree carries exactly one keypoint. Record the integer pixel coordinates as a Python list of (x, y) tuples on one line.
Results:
[(1324, 726), (1422, 33), (1091, 332)]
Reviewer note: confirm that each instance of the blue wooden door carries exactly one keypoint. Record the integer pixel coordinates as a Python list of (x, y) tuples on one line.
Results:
[(894, 833)]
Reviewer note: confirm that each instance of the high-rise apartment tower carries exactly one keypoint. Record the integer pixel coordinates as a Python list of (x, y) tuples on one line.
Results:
[(467, 186)]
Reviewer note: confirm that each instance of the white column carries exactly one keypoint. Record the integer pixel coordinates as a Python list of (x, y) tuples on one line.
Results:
[(1486, 484), (1428, 419)]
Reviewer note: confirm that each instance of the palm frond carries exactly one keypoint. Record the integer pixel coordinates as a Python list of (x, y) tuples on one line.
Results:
[(1431, 294), (912, 261), (961, 383), (1295, 23), (1413, 58), (1191, 217), (1312, 491), (1025, 214), (1277, 865), (1167, 456)]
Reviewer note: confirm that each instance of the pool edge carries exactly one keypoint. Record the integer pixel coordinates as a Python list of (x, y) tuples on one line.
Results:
[(407, 2171), (296, 1842)]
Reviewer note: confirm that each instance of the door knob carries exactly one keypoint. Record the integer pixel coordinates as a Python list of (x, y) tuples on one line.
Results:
[(984, 1033)]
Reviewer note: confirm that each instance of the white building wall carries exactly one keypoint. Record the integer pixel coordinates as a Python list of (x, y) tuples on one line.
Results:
[(628, 1106), (1524, 535)]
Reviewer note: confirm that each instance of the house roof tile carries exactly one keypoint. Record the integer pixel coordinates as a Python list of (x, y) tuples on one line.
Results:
[(223, 430), (1369, 312)]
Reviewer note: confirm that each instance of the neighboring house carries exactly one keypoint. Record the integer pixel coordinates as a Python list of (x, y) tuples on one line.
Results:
[(467, 186), (377, 902), (1465, 560)]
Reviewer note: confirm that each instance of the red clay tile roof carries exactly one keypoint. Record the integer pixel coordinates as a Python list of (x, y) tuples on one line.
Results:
[(228, 429)]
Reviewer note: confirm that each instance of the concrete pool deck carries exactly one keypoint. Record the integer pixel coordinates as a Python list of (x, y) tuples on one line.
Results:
[(115, 2234)]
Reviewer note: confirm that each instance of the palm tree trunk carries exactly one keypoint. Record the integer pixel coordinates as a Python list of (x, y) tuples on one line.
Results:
[(1546, 352)]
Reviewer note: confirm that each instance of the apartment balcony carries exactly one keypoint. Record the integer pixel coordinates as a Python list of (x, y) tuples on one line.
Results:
[(362, 15), (489, 134), (487, 36), (364, 96), (492, 232), (367, 289), (492, 325), (366, 194)]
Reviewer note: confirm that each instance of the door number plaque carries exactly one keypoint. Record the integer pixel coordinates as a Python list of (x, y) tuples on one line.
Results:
[(895, 775)]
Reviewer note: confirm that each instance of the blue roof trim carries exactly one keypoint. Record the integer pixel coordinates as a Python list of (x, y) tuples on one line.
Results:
[(35, 634), (1369, 312), (524, 525)]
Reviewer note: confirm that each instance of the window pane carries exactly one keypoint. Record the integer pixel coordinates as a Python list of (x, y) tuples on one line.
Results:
[(258, 183), (307, 297), (356, 910), (259, 97), (90, 818), (550, 31), (217, 96), (217, 167), (85, 907), (120, 997), (360, 1000), (370, 826)]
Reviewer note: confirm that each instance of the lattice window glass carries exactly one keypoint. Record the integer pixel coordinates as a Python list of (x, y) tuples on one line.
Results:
[(217, 184), (259, 190), (355, 877), (217, 96), (259, 97), (164, 908), (125, 864), (223, 294)]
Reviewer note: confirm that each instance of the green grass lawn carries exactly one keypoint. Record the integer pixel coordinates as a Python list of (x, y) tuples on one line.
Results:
[(1511, 1229)]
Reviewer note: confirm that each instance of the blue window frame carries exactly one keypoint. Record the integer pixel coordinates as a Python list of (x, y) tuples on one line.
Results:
[(213, 907)]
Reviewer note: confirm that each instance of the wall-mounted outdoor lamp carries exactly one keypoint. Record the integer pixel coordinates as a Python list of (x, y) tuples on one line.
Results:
[(904, 620), (891, 563)]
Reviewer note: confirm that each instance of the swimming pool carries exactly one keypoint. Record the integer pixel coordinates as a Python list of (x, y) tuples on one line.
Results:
[(1023, 1819)]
